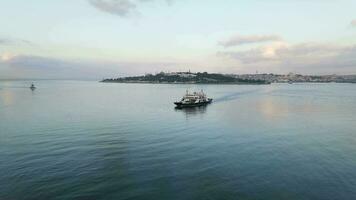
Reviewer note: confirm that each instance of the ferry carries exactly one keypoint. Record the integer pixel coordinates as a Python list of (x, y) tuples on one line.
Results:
[(193, 99)]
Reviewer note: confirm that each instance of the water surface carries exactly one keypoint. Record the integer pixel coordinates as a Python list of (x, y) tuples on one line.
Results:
[(90, 140)]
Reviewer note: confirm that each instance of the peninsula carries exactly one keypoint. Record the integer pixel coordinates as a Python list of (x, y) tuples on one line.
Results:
[(186, 78), (214, 78)]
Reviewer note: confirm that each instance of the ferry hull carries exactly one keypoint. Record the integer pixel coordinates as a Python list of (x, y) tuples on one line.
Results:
[(186, 105)]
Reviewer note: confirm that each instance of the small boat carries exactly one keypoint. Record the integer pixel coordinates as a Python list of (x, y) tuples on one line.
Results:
[(32, 87), (193, 100)]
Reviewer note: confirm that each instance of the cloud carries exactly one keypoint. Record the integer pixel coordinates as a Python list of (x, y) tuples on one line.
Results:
[(12, 42), (6, 57), (122, 8), (4, 41), (249, 39), (307, 57), (29, 66), (353, 23), (280, 51)]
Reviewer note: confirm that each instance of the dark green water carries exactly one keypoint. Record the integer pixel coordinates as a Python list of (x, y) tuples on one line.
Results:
[(89, 140)]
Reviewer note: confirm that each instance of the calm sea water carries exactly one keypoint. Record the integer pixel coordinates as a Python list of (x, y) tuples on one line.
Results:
[(89, 140)]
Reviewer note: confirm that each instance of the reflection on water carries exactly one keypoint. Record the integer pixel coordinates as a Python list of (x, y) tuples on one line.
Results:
[(89, 140), (6, 98), (191, 111)]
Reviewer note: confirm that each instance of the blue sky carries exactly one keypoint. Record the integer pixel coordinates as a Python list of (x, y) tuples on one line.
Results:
[(109, 38)]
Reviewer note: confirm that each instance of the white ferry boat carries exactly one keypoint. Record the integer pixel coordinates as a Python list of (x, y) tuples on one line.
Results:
[(193, 99)]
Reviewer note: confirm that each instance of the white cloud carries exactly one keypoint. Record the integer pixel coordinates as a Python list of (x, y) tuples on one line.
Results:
[(29, 66), (249, 39), (11, 42), (306, 57), (353, 23), (7, 57), (122, 8)]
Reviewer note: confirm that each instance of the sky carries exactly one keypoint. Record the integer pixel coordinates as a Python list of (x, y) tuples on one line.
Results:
[(95, 39)]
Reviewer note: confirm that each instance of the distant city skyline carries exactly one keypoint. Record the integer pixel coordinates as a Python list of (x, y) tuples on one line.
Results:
[(93, 39)]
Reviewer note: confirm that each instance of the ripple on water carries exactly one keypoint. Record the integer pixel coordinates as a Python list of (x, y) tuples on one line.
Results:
[(253, 142)]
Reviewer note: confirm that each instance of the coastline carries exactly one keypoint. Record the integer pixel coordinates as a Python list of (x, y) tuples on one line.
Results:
[(231, 79), (184, 83)]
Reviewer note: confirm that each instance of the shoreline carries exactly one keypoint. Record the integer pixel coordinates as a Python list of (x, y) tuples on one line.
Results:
[(194, 83), (182, 83)]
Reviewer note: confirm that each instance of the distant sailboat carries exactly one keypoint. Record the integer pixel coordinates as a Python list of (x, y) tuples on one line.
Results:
[(32, 87)]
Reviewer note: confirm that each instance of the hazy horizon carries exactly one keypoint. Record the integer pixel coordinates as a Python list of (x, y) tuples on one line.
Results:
[(95, 39)]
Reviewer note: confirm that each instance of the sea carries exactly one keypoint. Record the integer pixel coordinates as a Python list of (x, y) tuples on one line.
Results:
[(86, 140)]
